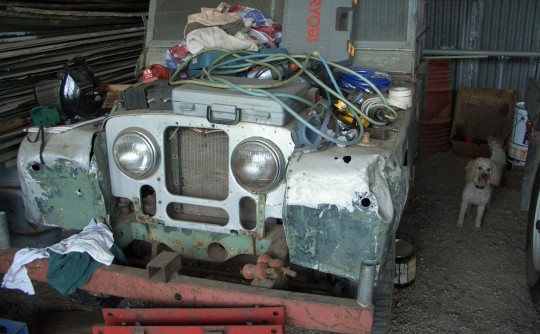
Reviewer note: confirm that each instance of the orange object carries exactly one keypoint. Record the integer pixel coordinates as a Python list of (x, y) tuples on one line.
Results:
[(272, 263)]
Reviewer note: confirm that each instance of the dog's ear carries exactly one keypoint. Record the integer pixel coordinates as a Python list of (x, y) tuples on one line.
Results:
[(496, 175), (470, 170)]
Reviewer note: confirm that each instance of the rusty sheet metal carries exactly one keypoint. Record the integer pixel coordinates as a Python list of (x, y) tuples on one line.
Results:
[(66, 181), (193, 244), (194, 316), (268, 329), (343, 205), (301, 310)]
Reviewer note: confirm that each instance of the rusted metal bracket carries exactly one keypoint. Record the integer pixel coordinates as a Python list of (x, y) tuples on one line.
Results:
[(257, 320), (163, 266), (237, 316), (302, 310), (267, 329)]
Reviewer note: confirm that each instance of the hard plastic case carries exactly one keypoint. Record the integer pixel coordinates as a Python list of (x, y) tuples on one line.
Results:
[(227, 106)]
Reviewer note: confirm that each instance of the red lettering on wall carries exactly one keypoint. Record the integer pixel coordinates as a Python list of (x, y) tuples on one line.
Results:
[(314, 21), (313, 30)]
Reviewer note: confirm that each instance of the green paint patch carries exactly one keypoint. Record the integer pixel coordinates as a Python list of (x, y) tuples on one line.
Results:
[(193, 244)]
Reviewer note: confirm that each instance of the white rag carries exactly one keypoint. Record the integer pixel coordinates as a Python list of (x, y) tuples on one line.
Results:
[(96, 239), (214, 37)]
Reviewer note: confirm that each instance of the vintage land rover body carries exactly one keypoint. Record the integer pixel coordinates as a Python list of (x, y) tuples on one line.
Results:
[(212, 190)]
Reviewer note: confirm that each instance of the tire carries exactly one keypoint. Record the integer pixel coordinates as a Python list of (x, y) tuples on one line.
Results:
[(532, 253), (382, 294)]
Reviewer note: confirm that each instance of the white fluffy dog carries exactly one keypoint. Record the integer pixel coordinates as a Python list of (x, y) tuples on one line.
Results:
[(481, 174)]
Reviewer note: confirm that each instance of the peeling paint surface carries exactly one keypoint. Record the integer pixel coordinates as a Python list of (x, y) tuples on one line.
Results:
[(340, 205), (309, 186), (343, 205), (64, 190), (189, 243)]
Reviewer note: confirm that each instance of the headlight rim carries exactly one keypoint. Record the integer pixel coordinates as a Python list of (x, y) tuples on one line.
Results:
[(277, 155), (150, 142)]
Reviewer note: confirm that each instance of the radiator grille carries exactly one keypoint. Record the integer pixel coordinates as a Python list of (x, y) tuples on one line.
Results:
[(197, 162)]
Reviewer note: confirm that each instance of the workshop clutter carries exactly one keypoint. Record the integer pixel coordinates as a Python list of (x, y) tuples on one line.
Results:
[(270, 86), (228, 90), (229, 68), (225, 27)]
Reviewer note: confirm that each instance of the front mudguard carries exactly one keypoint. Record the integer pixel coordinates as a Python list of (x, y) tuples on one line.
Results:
[(65, 180), (342, 207)]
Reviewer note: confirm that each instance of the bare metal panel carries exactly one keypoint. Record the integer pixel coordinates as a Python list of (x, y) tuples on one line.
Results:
[(322, 26), (179, 214), (386, 34), (382, 20)]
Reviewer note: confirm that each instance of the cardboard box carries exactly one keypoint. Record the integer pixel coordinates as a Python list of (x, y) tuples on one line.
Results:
[(481, 113), (113, 93)]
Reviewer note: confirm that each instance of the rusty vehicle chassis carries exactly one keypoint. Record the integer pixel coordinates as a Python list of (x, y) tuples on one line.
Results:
[(301, 310)]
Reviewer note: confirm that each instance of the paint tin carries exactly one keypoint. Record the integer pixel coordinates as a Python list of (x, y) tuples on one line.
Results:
[(405, 263), (517, 148), (4, 231)]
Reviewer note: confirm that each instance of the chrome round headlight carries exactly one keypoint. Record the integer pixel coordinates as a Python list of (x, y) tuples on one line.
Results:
[(257, 164), (135, 153)]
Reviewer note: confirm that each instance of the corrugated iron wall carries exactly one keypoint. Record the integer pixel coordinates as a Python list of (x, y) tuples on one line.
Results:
[(488, 25), (37, 38)]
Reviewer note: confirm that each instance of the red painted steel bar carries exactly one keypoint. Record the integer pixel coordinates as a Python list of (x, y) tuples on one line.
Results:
[(194, 316), (269, 329), (301, 310)]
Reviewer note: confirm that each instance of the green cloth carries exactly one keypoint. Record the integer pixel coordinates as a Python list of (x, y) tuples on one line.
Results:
[(68, 272)]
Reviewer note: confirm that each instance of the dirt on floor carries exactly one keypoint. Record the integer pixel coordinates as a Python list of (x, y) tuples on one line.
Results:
[(466, 281)]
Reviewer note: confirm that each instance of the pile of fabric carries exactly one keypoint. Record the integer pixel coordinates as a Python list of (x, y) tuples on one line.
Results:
[(72, 261), (224, 27)]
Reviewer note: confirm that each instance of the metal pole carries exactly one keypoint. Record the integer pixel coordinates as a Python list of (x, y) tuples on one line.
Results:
[(355, 36), (11, 135), (364, 294), (4, 232), (480, 53)]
